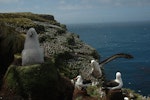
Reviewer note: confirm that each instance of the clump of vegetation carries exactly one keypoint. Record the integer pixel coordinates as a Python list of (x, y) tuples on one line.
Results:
[(62, 58), (39, 29), (60, 31), (95, 54), (132, 94), (36, 82), (93, 91), (70, 40), (63, 26), (19, 22), (25, 18), (18, 79), (27, 15), (11, 40)]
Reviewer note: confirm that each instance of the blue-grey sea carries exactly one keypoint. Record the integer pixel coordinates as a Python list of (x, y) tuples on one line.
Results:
[(127, 37)]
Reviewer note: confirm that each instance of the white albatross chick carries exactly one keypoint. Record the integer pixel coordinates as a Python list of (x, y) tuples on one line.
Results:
[(96, 69), (115, 84), (80, 83), (32, 52)]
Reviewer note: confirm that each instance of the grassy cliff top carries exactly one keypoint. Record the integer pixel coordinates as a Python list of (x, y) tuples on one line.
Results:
[(25, 19), (28, 15)]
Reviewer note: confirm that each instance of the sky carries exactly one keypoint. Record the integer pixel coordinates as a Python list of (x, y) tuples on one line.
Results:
[(83, 11)]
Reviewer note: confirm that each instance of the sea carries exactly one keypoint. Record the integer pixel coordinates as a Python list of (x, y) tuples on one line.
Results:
[(121, 37)]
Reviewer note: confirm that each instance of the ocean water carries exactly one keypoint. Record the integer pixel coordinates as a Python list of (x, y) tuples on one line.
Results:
[(111, 38)]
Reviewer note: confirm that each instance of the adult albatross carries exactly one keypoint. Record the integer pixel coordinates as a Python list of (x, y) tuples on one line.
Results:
[(115, 84), (96, 67)]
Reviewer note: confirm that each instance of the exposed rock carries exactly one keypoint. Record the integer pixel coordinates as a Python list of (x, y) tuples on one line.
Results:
[(48, 17)]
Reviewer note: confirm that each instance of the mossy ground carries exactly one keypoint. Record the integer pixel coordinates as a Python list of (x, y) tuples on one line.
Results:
[(34, 80)]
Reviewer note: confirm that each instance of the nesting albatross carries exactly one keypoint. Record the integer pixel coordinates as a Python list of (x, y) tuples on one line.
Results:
[(96, 67), (80, 83), (32, 52), (115, 84)]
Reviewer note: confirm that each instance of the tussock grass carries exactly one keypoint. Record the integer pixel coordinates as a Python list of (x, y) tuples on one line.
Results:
[(23, 18), (10, 40)]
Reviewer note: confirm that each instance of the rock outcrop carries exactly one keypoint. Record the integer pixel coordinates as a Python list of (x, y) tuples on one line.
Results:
[(35, 82), (65, 57)]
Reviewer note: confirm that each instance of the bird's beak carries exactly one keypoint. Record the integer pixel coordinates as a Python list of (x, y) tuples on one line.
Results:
[(31, 34), (75, 78)]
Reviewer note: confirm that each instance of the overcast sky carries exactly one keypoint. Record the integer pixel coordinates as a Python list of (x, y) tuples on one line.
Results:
[(83, 11)]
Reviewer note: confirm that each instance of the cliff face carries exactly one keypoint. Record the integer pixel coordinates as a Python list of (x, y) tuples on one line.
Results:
[(63, 47), (64, 52)]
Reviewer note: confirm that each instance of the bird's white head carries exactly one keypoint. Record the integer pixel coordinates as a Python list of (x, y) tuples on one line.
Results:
[(79, 79), (94, 63), (31, 32), (31, 39), (118, 76)]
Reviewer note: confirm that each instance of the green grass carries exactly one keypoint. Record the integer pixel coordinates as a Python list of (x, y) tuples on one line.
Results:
[(11, 40), (24, 18), (19, 22)]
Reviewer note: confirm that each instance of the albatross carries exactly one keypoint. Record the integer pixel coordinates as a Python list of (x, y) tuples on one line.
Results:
[(115, 84), (32, 52), (80, 83), (96, 66), (96, 69)]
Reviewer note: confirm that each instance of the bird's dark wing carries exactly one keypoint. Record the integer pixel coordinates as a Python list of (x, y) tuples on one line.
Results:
[(120, 55), (112, 84), (87, 81)]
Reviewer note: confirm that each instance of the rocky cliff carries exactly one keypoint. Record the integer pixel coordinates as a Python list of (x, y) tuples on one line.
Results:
[(66, 56)]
